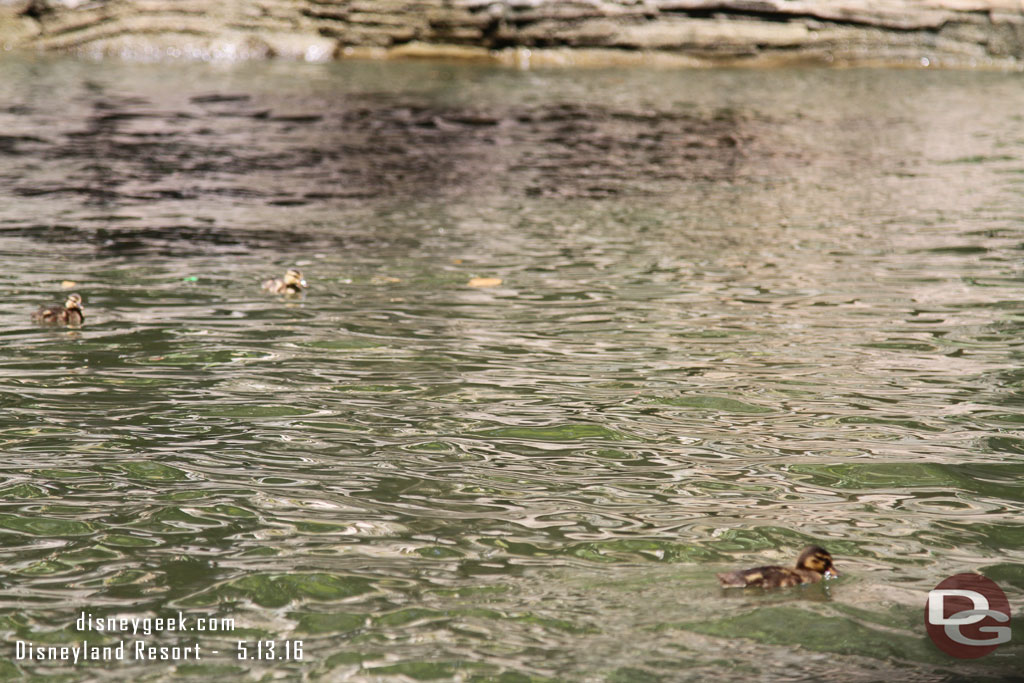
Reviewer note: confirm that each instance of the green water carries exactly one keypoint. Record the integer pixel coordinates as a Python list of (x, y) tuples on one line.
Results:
[(739, 312)]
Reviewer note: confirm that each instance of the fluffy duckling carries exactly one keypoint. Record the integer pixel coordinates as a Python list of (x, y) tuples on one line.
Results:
[(813, 564), (68, 314), (293, 283)]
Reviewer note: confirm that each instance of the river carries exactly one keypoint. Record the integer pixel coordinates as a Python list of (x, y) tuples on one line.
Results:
[(574, 341)]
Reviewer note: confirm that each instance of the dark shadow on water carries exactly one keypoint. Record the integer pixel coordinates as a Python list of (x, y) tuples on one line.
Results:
[(127, 151)]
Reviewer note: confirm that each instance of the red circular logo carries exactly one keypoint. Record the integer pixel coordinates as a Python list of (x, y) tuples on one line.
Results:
[(967, 616)]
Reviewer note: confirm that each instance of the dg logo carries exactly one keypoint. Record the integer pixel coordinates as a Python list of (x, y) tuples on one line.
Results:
[(963, 616)]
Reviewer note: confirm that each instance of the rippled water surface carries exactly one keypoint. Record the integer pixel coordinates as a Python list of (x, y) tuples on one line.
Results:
[(739, 312)]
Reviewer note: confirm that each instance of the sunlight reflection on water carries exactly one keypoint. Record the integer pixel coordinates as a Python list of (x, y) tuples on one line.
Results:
[(807, 331)]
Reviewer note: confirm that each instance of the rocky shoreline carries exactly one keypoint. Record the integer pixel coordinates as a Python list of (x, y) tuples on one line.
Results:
[(953, 33)]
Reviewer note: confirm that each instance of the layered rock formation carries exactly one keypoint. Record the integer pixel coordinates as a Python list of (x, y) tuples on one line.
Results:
[(927, 32)]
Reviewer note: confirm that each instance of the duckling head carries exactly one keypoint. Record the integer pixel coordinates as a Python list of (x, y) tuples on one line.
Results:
[(293, 278), (74, 300), (816, 559)]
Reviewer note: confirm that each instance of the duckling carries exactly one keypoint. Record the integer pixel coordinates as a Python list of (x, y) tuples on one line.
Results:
[(68, 314), (813, 564), (293, 283)]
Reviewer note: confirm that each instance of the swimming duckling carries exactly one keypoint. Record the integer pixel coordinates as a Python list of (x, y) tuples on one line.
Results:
[(68, 314), (813, 564), (293, 283)]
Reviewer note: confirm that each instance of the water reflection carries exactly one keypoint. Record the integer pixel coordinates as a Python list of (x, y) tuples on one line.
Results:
[(784, 311)]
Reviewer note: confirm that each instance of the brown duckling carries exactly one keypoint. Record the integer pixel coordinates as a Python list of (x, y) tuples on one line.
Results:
[(813, 564), (68, 314), (292, 283)]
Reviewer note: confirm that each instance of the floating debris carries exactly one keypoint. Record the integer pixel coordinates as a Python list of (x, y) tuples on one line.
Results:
[(484, 282)]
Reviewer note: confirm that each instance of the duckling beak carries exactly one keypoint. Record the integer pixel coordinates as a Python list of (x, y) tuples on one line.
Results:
[(302, 283), (832, 573)]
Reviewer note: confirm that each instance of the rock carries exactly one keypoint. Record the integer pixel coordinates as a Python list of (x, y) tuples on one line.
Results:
[(983, 33)]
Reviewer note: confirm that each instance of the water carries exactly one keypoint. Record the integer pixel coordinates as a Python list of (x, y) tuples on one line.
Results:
[(739, 312)]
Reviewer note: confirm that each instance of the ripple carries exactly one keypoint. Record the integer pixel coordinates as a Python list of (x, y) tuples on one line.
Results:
[(680, 374)]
